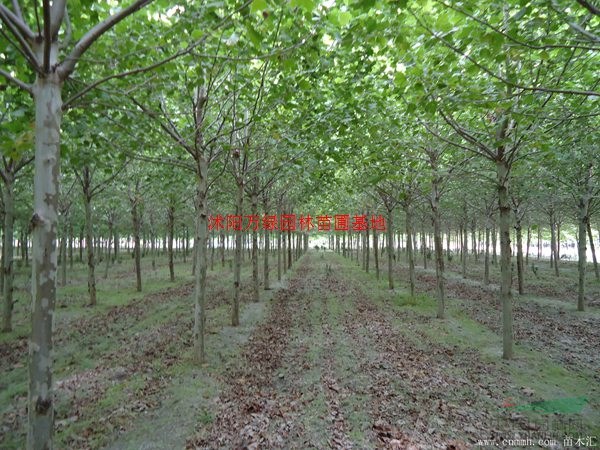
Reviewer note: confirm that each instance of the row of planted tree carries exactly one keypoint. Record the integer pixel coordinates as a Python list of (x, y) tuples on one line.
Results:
[(446, 111), (171, 234)]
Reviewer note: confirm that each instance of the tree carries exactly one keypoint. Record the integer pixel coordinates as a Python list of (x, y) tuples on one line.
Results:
[(40, 50), (15, 158)]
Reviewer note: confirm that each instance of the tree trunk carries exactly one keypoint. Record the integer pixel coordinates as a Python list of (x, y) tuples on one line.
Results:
[(367, 249), (108, 247), (211, 242), (237, 268), (494, 245), (171, 235), (349, 244), (48, 115), (116, 246), (519, 233), (439, 250), (279, 248), (474, 239), (583, 217), (289, 249), (81, 234), (222, 245), (486, 258), (71, 239), (539, 242), (553, 249), (558, 223), (593, 248), (505, 257), (186, 245), (527, 245), (424, 249), (254, 256), (375, 252), (153, 248), (7, 253), (65, 238), (2, 253), (194, 251), (200, 242), (284, 250), (136, 239), (267, 247), (465, 245), (89, 245), (410, 250)]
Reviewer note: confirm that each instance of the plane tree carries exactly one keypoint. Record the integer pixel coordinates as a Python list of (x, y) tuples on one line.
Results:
[(15, 148)]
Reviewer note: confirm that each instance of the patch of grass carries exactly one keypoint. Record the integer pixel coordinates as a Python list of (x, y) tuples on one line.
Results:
[(312, 417), (205, 417), (114, 396), (421, 303)]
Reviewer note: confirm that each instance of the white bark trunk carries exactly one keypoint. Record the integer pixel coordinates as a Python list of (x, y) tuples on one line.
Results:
[(582, 251), (7, 251), (505, 260), (237, 267), (255, 280), (89, 244), (48, 115), (410, 251), (390, 249), (201, 263)]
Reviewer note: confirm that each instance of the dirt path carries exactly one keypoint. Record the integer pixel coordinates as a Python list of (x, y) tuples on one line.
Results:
[(331, 368)]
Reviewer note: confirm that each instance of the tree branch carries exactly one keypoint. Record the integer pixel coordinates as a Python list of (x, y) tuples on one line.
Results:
[(47, 34), (68, 30), (26, 87), (172, 133), (56, 16), (23, 46), (591, 8), (16, 19), (498, 77), (509, 37), (68, 65), (468, 136), (67, 104), (17, 9)]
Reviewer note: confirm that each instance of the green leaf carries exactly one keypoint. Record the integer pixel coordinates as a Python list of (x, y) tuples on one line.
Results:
[(254, 35), (306, 5), (431, 107), (345, 18), (339, 18), (258, 6), (305, 85), (399, 80), (366, 5)]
